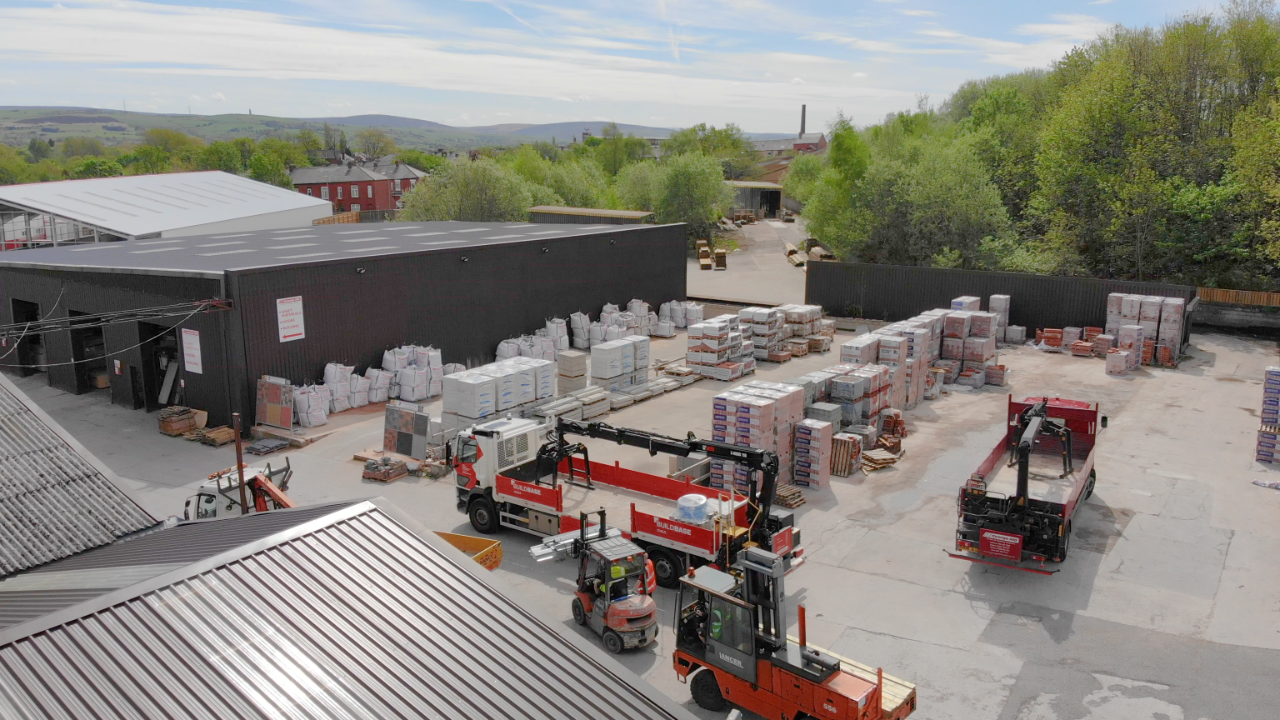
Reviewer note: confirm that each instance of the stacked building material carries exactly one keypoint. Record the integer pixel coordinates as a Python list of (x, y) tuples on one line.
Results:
[(469, 395), (1118, 362), (758, 414), (974, 377), (996, 375), (408, 430), (580, 328), (567, 407), (798, 347), (1130, 340), (1269, 432), (825, 412), (571, 371), (311, 405), (801, 320), (967, 302), (893, 348), (950, 369), (979, 350), (846, 454), (1015, 334), (1071, 335), (862, 350), (1172, 313), (1000, 304), (177, 420), (1090, 333), (380, 382), (1149, 316), (1102, 344), (813, 453), (1082, 348), (917, 378), (1050, 338), (984, 324), (595, 401), (819, 343), (953, 348), (957, 324)]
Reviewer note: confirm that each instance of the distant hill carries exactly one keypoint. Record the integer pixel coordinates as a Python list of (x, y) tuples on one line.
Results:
[(382, 121)]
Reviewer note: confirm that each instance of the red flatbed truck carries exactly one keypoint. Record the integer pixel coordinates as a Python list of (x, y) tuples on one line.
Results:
[(1017, 509), (524, 475)]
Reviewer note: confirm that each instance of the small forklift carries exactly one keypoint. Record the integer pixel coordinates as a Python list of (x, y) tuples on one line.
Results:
[(614, 591)]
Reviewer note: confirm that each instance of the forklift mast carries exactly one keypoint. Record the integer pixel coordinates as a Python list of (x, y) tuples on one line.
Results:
[(765, 461)]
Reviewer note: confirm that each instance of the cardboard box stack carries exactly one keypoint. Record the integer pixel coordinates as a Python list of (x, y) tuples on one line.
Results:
[(761, 415), (571, 371), (1268, 449), (813, 453)]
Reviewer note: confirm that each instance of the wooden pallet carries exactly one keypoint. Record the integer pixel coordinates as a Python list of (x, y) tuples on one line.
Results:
[(878, 459), (216, 437), (788, 496)]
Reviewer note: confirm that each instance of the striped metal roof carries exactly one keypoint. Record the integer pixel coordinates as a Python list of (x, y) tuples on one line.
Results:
[(54, 501), (347, 615)]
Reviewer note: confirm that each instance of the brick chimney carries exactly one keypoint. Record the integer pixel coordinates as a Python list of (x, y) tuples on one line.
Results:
[(802, 109)]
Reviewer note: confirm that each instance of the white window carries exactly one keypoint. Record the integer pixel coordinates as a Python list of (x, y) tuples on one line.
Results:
[(355, 191), (309, 191), (324, 192), (355, 207), (397, 184), (369, 194), (339, 192)]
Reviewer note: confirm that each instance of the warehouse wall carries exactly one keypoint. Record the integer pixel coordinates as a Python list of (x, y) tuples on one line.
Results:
[(465, 308), (896, 292), (87, 292)]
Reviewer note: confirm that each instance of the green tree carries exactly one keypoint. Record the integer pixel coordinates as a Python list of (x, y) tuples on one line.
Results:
[(617, 150), (172, 141), (693, 191), (269, 168), (94, 167), (308, 140), (375, 143), (14, 169), (149, 160), (478, 191), (802, 174), (639, 186), (847, 153), (222, 156), (74, 147), (425, 162), (39, 150), (729, 145), (288, 153)]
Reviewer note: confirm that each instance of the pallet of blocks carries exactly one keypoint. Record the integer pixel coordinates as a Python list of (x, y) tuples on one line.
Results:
[(812, 453), (571, 371)]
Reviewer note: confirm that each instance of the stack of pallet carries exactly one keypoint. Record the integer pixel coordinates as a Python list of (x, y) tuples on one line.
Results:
[(846, 454), (177, 420), (878, 459), (215, 437), (1268, 448), (788, 496)]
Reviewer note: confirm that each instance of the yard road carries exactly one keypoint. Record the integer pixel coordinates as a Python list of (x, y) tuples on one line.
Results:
[(1167, 609), (758, 272)]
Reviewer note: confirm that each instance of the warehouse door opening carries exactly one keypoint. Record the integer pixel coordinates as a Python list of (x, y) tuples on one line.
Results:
[(29, 355), (89, 351), (161, 379), (770, 202)]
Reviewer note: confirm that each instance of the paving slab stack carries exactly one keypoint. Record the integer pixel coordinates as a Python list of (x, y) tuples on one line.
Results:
[(571, 371), (1268, 448), (408, 430)]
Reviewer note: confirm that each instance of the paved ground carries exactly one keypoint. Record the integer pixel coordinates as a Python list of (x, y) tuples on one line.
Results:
[(758, 271), (1168, 608)]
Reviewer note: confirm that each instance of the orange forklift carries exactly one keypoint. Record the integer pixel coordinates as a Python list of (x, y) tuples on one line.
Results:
[(732, 647)]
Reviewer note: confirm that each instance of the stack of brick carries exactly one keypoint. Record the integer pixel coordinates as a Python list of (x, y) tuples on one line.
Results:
[(1122, 309), (862, 350), (984, 324), (957, 324), (1268, 449), (999, 304), (967, 303), (1082, 348), (1071, 335), (1051, 338), (1102, 344), (759, 414), (1118, 362), (979, 352), (766, 327), (1169, 343), (802, 320), (813, 453), (1130, 340)]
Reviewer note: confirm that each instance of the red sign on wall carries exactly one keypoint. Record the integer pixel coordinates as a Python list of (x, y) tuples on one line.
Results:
[(782, 542), (543, 497), (673, 534), (1000, 545)]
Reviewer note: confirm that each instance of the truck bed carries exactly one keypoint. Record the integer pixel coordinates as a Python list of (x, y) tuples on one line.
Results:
[(1043, 482), (898, 698), (615, 501)]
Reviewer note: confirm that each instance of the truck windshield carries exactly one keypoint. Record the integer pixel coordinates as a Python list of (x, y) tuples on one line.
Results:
[(467, 449)]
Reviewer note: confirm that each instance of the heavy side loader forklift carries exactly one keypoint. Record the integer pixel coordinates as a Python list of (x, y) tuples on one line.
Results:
[(614, 590)]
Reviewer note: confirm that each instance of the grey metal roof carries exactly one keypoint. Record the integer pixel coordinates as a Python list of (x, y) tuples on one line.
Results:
[(144, 204), (351, 614), (54, 500), (214, 255), (335, 174)]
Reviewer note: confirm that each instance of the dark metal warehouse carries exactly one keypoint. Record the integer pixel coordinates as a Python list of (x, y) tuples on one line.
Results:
[(461, 287)]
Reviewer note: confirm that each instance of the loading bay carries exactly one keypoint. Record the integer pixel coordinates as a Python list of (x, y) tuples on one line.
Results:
[(1167, 608)]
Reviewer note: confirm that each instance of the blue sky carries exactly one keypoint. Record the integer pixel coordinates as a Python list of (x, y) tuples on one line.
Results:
[(665, 63)]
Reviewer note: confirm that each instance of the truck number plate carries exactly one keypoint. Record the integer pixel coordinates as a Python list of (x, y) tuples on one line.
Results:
[(1000, 545)]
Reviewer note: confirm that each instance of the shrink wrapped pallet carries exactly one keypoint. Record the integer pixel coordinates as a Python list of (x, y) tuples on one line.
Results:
[(967, 302), (1000, 305), (1131, 307), (953, 348), (1118, 362), (606, 359), (979, 349), (957, 324), (1102, 344), (863, 350), (640, 350), (950, 368), (1070, 335), (812, 456), (893, 348), (1171, 319), (469, 394), (1015, 334), (825, 412), (983, 324)]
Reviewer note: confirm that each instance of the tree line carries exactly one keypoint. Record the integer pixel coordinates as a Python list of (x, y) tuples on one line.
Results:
[(1150, 154)]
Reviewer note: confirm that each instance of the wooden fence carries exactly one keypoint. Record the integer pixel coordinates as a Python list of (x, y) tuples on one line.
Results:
[(339, 219), (1239, 297)]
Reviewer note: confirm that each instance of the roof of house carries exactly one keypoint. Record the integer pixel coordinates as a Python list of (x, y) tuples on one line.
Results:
[(137, 205), (392, 168), (788, 143), (809, 138), (342, 611), (55, 499), (591, 212), (758, 184), (211, 256), (351, 172)]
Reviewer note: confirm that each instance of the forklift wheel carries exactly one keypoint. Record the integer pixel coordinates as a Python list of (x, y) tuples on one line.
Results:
[(666, 566), (612, 641), (484, 517), (1088, 489), (579, 613), (706, 691)]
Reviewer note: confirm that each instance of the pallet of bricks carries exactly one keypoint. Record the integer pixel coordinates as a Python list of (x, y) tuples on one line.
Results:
[(515, 385), (806, 330), (1147, 327), (719, 349), (967, 344), (758, 414), (1268, 448)]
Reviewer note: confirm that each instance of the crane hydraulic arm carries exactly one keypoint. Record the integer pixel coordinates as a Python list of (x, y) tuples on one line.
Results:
[(765, 461)]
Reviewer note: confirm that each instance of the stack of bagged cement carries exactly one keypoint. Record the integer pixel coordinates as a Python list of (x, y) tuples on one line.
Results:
[(680, 313), (580, 324), (311, 405), (337, 378), (418, 372)]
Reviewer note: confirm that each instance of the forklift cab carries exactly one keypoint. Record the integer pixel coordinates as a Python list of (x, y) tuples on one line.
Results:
[(611, 570), (715, 624)]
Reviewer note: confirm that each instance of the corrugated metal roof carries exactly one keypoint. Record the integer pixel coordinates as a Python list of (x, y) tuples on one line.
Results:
[(145, 204), (336, 174), (753, 184), (593, 212), (348, 615), (54, 502)]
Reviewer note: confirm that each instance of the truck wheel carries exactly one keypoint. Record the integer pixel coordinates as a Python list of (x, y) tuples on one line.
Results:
[(706, 691), (1066, 541), (1088, 489), (484, 516), (579, 612), (666, 566), (612, 642)]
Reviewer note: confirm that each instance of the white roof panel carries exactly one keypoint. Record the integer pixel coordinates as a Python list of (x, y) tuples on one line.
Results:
[(138, 205)]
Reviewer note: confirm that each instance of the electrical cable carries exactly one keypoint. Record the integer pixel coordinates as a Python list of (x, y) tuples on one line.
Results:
[(113, 352), (28, 326)]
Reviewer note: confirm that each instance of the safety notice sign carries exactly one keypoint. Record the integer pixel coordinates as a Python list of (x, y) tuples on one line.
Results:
[(191, 359), (289, 318)]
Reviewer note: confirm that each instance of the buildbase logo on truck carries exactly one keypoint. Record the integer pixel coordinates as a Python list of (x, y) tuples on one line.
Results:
[(688, 532), (528, 493)]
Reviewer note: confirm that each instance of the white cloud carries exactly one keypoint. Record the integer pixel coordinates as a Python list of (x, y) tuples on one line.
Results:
[(859, 75), (797, 81), (919, 13), (1101, 2), (219, 97), (879, 46), (195, 99), (8, 81), (1068, 27)]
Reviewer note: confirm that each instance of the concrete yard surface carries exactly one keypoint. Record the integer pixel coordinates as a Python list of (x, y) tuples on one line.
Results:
[(758, 269), (1168, 607)]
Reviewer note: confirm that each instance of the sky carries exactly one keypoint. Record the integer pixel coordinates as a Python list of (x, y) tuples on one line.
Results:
[(660, 63)]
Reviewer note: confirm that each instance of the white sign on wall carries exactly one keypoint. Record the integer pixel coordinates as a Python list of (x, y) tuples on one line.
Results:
[(289, 317), (191, 359)]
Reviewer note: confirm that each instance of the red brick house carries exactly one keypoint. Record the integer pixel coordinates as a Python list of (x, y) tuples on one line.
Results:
[(349, 187)]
